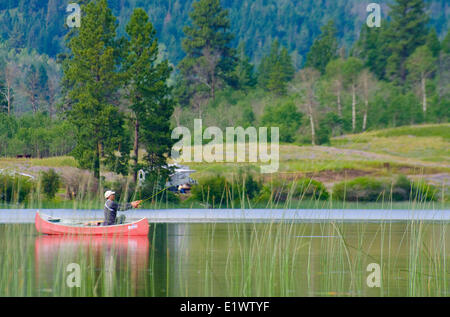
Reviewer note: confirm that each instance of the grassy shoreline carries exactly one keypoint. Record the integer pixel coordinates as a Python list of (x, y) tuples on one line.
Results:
[(420, 152)]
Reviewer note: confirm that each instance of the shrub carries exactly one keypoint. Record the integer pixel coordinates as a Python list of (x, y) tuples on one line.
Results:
[(402, 189), (285, 116), (305, 188), (369, 189), (323, 134), (245, 183), (50, 183), (310, 188), (422, 191), (80, 184), (212, 190), (359, 189)]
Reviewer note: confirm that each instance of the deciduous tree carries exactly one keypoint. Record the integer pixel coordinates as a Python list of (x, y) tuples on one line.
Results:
[(421, 64)]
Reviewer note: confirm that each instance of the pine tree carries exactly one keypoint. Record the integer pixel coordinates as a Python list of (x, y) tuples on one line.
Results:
[(433, 43), (372, 48), (324, 48), (244, 72), (276, 70), (209, 59), (407, 31), (445, 45), (91, 81), (149, 94), (287, 68)]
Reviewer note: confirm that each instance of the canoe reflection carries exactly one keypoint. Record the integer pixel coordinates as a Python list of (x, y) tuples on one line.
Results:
[(98, 256)]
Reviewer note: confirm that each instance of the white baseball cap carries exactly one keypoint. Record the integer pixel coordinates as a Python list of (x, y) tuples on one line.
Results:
[(109, 193)]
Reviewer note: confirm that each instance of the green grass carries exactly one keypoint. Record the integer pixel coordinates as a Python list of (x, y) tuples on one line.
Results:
[(59, 161), (429, 143), (428, 130)]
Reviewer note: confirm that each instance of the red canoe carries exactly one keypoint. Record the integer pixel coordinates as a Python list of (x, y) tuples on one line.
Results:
[(43, 225)]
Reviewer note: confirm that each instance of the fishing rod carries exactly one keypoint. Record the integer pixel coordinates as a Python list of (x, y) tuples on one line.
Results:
[(154, 194)]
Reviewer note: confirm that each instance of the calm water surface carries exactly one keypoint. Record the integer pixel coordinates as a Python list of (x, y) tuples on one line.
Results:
[(232, 259)]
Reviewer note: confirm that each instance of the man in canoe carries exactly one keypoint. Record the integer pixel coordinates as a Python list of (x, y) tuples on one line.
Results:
[(111, 208)]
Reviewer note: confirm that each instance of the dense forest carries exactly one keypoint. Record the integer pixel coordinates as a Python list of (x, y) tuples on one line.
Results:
[(315, 70), (39, 24)]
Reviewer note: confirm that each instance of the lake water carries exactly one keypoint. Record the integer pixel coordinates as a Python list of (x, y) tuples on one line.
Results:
[(235, 215), (251, 257)]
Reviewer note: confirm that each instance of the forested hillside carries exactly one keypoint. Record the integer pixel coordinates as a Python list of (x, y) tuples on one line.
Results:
[(39, 24), (122, 81)]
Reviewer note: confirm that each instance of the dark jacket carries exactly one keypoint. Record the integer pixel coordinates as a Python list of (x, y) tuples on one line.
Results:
[(111, 208)]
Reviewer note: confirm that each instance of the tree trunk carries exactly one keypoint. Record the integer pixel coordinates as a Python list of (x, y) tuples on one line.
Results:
[(213, 87), (339, 104), (366, 102), (9, 71), (9, 98), (313, 131), (136, 149), (424, 94), (311, 121), (33, 104), (50, 110), (365, 119), (97, 162), (353, 107)]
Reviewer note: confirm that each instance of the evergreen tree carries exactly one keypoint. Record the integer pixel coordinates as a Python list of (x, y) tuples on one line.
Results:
[(276, 70), (149, 94), (209, 59), (407, 31), (287, 68), (244, 72), (324, 48), (91, 80), (433, 43), (445, 45), (372, 48)]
